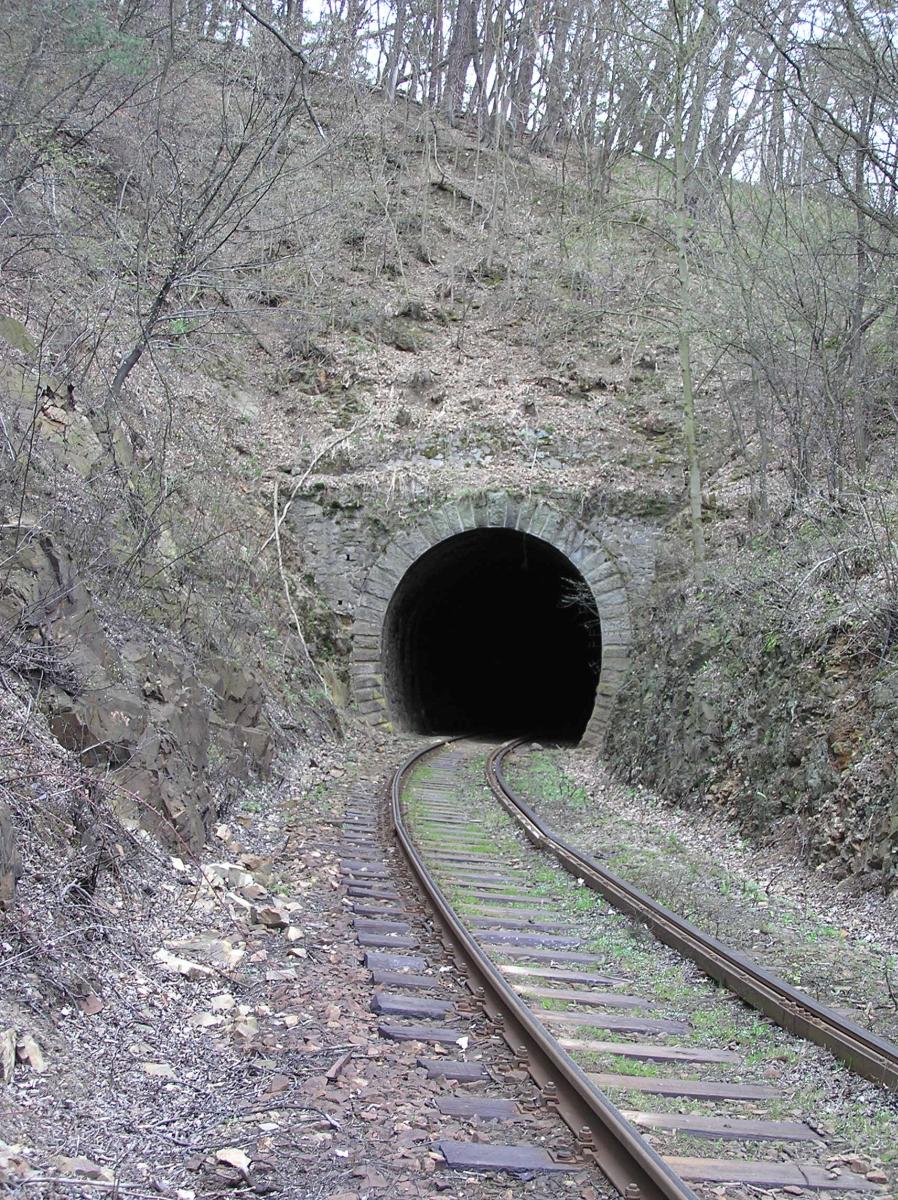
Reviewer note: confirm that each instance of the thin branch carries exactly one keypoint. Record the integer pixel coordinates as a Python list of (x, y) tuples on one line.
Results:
[(316, 459), (275, 32), (297, 54), (102, 1184)]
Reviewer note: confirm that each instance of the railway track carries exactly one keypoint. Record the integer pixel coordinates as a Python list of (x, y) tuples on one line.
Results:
[(586, 1027), (869, 1055)]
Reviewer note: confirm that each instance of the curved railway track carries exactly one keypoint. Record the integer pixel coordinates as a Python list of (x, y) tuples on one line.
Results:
[(869, 1055), (582, 1028)]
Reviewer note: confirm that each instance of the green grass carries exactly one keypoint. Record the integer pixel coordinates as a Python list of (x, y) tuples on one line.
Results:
[(635, 1066), (612, 1064), (539, 776), (672, 986)]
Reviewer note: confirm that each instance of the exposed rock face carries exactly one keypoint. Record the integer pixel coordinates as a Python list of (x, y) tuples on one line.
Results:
[(792, 738), (10, 862), (142, 714)]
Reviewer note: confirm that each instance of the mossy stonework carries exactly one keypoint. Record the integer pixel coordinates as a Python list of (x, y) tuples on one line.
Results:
[(495, 510)]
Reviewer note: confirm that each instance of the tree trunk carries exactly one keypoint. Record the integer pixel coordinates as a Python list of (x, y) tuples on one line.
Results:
[(522, 93), (858, 399), (134, 355), (763, 447), (434, 85), (396, 51), (681, 223), (458, 58)]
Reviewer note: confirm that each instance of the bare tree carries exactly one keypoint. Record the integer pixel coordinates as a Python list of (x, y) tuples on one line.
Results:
[(196, 200)]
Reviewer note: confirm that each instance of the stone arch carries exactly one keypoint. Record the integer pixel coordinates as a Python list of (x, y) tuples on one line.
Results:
[(493, 510)]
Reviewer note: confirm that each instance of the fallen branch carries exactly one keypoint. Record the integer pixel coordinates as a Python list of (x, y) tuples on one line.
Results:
[(445, 184), (275, 1107), (333, 1072), (126, 1189)]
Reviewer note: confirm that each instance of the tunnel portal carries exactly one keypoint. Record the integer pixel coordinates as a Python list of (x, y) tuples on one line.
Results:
[(492, 632)]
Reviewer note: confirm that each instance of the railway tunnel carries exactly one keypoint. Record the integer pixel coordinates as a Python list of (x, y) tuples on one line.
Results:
[(493, 615), (493, 632)]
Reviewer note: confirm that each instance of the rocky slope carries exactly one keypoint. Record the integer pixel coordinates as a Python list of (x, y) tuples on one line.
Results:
[(772, 696), (434, 317), (420, 337)]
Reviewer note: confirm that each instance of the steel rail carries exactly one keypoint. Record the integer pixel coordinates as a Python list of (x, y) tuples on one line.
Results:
[(869, 1055), (636, 1170)]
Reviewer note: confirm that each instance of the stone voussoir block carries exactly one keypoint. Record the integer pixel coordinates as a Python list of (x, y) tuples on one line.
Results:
[(614, 671), (370, 608), (553, 533), (454, 517), (610, 590), (378, 592), (512, 508), (365, 674), (359, 665), (612, 623), (571, 539), (431, 533), (578, 553), (365, 641), (443, 524), (496, 508), (615, 652), (597, 731), (465, 507), (412, 544), (615, 605), (396, 560), (381, 581), (598, 568), (522, 512), (606, 695), (608, 688), (536, 520), (481, 513)]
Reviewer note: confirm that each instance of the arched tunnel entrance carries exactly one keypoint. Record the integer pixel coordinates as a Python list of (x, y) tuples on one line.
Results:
[(494, 632)]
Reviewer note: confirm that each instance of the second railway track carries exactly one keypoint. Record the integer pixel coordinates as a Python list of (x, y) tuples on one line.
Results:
[(587, 1024)]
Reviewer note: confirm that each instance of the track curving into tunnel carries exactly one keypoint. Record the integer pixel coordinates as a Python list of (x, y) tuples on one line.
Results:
[(493, 632)]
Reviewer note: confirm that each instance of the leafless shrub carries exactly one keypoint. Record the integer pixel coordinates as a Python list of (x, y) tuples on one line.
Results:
[(44, 664)]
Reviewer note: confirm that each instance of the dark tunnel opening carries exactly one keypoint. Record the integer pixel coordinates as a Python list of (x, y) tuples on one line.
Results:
[(492, 632)]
